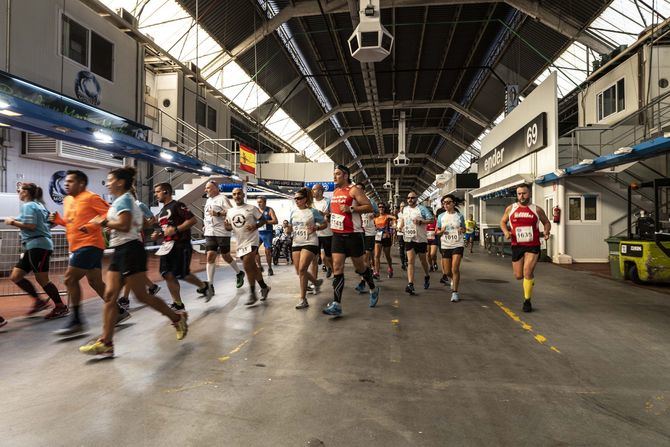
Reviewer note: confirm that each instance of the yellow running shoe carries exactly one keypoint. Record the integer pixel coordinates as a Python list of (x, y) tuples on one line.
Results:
[(181, 326), (97, 348)]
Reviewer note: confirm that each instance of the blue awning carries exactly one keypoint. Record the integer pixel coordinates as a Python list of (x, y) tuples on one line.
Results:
[(641, 151)]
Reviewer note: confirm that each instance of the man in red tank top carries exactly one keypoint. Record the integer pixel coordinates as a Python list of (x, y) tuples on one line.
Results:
[(524, 218), (346, 207)]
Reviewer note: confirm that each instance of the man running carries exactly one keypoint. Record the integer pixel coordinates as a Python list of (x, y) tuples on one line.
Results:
[(401, 237), (384, 224), (85, 243), (470, 227), (414, 220), (175, 221), (322, 204), (369, 238), (244, 220), (217, 237), (524, 218), (267, 232), (346, 207)]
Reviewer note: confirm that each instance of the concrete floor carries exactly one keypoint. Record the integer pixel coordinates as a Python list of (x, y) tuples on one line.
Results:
[(590, 367)]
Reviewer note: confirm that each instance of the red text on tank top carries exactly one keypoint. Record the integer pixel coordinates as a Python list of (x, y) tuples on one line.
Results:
[(342, 222), (524, 223)]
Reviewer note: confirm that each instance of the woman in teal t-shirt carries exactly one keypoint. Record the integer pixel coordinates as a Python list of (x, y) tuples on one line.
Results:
[(33, 221)]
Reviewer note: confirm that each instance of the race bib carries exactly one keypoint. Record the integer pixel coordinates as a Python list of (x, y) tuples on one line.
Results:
[(366, 220), (410, 232), (244, 251), (337, 221), (300, 234), (379, 235), (430, 235), (524, 234)]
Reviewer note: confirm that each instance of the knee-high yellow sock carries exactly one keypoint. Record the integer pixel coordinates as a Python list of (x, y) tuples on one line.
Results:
[(528, 288)]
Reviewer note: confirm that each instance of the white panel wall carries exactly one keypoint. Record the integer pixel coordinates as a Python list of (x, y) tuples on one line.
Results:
[(35, 52), (301, 172)]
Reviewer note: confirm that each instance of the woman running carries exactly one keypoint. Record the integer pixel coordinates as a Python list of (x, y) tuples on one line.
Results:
[(38, 246), (451, 226), (129, 262), (304, 222), (432, 245), (384, 224)]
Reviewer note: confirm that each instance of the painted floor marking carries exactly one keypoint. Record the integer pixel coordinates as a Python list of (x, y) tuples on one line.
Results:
[(237, 348), (541, 339)]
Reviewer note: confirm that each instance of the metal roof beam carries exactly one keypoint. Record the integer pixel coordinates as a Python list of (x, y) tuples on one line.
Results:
[(549, 19)]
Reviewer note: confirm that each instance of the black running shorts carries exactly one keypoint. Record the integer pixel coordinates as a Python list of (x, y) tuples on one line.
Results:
[(418, 247), (349, 244), (313, 248), (449, 252), (325, 244), (220, 244), (35, 260), (370, 243), (519, 250), (387, 242), (129, 258), (178, 261)]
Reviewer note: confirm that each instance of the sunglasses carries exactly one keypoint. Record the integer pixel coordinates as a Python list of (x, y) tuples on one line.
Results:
[(411, 197), (298, 198)]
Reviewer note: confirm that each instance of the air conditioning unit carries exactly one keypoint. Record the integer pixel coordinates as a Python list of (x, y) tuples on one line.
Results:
[(39, 147)]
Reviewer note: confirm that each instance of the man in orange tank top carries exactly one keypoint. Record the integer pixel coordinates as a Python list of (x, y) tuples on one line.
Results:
[(346, 207), (523, 218)]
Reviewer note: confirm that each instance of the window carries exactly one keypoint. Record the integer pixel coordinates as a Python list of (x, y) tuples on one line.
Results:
[(205, 115), (87, 48), (102, 56), (74, 41), (611, 100), (583, 208)]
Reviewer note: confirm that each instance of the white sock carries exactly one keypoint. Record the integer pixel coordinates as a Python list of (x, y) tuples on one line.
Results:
[(233, 264), (211, 268)]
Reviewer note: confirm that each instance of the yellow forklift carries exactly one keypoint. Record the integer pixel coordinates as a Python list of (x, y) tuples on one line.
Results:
[(644, 256)]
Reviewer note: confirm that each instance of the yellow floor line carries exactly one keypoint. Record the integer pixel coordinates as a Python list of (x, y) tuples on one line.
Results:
[(541, 339), (237, 348)]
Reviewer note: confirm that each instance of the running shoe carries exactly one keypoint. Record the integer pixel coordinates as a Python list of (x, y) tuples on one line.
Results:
[(252, 299), (97, 348), (270, 271), (426, 281), (360, 288), (329, 272), (303, 304), (389, 272), (153, 290), (177, 307), (264, 293), (182, 325), (311, 289), (123, 316), (374, 297), (410, 289), (334, 309), (38, 306), (240, 279), (444, 279), (527, 306), (209, 293), (124, 302), (434, 267), (323, 267), (57, 312), (73, 328), (403, 266), (317, 286), (2, 322), (375, 275), (455, 298), (203, 290)]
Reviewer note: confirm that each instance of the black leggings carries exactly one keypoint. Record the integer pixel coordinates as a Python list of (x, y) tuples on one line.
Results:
[(401, 247)]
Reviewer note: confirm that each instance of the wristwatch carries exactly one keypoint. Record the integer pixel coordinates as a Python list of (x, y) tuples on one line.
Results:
[(351, 209)]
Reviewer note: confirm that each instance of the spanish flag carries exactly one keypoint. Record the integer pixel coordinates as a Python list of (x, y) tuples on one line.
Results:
[(247, 159)]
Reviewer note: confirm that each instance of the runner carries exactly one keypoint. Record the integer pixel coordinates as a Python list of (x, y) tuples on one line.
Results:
[(346, 207), (384, 225), (37, 249), (86, 245), (129, 262), (266, 233), (470, 227), (524, 219), (444, 279), (432, 245), (304, 223), (369, 237), (401, 237), (175, 221), (245, 220), (450, 228), (217, 237), (149, 220), (414, 220), (322, 204)]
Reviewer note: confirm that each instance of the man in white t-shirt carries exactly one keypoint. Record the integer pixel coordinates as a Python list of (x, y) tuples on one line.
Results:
[(217, 237), (414, 220), (322, 204), (244, 220)]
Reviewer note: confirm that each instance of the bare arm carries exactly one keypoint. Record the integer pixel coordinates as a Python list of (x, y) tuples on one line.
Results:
[(545, 222), (273, 218), (364, 205), (503, 223)]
